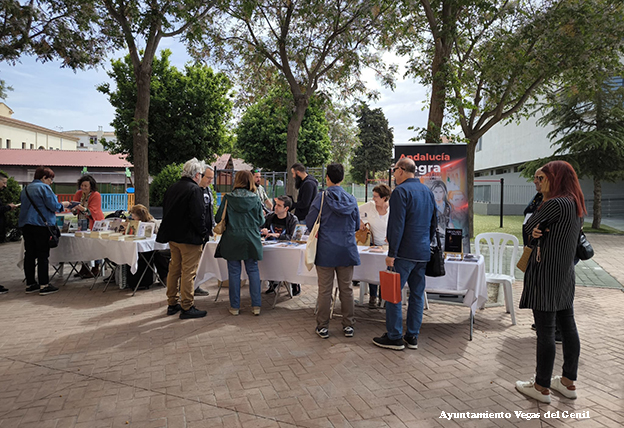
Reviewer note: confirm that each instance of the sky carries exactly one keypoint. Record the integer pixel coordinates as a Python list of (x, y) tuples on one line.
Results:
[(60, 99)]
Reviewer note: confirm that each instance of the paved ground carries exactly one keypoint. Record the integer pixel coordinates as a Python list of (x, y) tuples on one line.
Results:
[(83, 358)]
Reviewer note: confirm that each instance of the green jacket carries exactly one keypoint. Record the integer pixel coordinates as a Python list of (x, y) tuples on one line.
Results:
[(243, 217)]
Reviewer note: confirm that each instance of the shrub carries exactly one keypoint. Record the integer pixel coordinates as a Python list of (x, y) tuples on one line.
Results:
[(165, 178)]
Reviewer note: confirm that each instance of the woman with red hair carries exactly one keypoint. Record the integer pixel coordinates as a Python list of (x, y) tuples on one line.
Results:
[(549, 279)]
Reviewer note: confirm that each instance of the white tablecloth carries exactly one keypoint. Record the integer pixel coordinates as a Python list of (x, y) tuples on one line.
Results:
[(287, 264), (73, 249)]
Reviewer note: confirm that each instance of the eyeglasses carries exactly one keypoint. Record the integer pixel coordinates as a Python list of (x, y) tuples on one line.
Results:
[(209, 177), (397, 167), (539, 178)]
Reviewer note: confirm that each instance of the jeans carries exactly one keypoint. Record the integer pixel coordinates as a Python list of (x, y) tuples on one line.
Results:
[(414, 274), (546, 349), (36, 244), (234, 274)]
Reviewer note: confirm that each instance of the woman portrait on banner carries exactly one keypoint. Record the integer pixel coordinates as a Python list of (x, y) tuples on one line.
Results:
[(375, 214), (549, 279), (89, 208), (36, 232), (241, 239), (443, 206)]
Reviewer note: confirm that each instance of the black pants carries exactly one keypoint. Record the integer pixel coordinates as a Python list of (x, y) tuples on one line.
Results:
[(545, 323), (36, 243)]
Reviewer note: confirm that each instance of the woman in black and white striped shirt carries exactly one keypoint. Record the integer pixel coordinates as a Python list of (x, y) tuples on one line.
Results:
[(549, 279)]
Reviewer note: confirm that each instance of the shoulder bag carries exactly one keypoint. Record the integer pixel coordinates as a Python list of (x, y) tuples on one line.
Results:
[(310, 253), (584, 250), (364, 236), (524, 258), (220, 227), (55, 232), (435, 265)]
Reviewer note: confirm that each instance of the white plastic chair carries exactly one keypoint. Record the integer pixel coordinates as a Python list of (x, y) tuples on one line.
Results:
[(496, 272)]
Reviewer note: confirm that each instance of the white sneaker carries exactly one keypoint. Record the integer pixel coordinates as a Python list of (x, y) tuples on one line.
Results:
[(555, 383), (528, 388)]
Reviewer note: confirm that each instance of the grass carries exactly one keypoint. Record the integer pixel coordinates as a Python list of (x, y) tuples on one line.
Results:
[(512, 224)]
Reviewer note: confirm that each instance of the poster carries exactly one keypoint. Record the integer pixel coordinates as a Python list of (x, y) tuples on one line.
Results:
[(442, 168)]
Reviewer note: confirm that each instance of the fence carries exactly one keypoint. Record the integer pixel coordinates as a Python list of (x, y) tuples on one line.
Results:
[(110, 201)]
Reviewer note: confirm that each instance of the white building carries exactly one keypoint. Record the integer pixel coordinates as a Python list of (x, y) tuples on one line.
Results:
[(91, 140), (16, 134)]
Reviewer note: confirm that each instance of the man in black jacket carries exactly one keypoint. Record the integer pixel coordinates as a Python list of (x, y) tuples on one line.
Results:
[(308, 189), (184, 228)]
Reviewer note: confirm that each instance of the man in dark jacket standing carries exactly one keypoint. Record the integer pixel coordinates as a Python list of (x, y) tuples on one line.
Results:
[(336, 249), (410, 231), (184, 228), (308, 189)]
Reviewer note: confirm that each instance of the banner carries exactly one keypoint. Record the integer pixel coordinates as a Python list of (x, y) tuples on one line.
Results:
[(442, 168)]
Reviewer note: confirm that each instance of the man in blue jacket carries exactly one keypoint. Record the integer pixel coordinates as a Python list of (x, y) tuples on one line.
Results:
[(336, 249), (410, 231)]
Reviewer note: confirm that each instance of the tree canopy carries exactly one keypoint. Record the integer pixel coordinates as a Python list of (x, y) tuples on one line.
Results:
[(263, 128), (310, 44), (188, 111), (376, 142), (342, 132)]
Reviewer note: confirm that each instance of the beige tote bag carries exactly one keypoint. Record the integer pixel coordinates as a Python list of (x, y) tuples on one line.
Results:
[(310, 254)]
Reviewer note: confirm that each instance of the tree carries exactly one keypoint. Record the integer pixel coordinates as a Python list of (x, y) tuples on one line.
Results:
[(188, 111), (263, 129), (342, 133), (375, 151), (589, 125), (505, 55), (311, 44)]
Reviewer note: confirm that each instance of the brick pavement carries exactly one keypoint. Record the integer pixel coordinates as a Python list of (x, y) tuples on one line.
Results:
[(83, 358)]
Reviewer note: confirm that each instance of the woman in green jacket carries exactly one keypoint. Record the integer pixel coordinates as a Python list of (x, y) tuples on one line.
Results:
[(241, 239)]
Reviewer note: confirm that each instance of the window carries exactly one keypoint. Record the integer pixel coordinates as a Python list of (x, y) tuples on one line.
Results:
[(81, 144), (8, 144), (32, 147), (500, 171), (479, 144), (23, 145)]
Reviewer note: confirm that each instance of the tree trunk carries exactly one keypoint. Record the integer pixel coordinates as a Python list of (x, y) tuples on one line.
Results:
[(597, 204), (470, 161), (438, 98), (140, 135), (301, 105)]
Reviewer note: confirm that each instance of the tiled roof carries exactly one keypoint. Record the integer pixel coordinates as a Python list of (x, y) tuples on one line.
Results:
[(62, 158), (222, 162)]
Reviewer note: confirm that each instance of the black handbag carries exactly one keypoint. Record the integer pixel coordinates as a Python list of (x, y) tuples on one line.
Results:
[(584, 250), (435, 265), (55, 232)]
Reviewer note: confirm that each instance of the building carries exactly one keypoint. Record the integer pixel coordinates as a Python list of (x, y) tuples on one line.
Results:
[(91, 140), (17, 134), (68, 165)]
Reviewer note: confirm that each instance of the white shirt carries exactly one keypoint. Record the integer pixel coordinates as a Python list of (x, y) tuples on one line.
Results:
[(378, 223)]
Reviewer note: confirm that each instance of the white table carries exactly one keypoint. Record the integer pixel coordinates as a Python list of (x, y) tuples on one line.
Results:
[(287, 264)]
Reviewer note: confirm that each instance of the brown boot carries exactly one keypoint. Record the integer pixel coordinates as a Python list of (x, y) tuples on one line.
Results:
[(83, 271), (95, 270), (86, 273), (372, 303)]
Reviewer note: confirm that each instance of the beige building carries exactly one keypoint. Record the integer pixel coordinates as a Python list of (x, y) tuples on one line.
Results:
[(91, 140), (16, 134)]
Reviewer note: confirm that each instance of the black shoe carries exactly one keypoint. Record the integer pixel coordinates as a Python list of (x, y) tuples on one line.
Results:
[(271, 288), (49, 289), (411, 341), (296, 289), (385, 342), (372, 303), (348, 331), (33, 288), (558, 338), (3, 290), (533, 327), (201, 292), (173, 309), (193, 312), (322, 332)]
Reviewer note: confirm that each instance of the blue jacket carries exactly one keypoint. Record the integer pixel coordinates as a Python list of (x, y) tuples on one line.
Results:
[(45, 199), (340, 219), (410, 226)]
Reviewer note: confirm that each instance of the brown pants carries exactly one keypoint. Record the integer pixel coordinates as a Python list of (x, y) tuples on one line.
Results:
[(344, 274), (182, 269)]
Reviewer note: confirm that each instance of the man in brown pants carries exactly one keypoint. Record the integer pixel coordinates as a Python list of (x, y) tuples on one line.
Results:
[(183, 227)]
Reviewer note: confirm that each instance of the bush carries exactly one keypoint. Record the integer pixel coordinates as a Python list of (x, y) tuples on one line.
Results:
[(165, 178), (10, 195)]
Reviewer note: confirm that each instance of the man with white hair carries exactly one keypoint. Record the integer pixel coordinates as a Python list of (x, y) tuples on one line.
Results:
[(183, 227)]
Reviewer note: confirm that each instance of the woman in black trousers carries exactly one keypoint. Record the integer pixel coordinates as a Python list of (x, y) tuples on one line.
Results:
[(549, 279)]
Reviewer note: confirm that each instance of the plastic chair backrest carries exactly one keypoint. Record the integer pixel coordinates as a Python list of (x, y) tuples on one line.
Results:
[(497, 244)]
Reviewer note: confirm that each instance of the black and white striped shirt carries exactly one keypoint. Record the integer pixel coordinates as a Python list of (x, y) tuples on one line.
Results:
[(549, 283)]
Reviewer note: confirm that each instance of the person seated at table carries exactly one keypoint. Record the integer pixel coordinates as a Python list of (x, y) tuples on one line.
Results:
[(160, 258), (280, 225), (375, 213), (89, 208), (241, 239)]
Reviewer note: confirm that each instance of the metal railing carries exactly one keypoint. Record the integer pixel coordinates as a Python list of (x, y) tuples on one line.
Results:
[(110, 201)]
